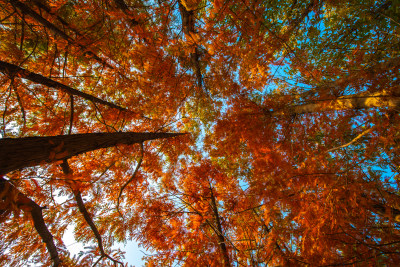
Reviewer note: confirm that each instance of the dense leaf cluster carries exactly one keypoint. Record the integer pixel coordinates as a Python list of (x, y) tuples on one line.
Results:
[(292, 114)]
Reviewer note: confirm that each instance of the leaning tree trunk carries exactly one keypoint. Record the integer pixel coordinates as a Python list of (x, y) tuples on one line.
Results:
[(360, 101), (17, 153), (20, 200)]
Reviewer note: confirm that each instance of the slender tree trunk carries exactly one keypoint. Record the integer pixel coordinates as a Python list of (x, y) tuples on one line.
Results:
[(28, 205), (188, 23), (377, 100), (220, 235), (14, 70), (17, 153)]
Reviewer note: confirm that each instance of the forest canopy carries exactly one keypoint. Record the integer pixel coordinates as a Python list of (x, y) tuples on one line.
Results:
[(213, 133)]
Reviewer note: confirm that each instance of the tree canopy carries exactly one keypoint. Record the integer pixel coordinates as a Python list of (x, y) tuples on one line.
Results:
[(291, 114)]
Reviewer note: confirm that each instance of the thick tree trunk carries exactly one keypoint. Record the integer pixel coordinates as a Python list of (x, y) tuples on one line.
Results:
[(28, 205), (220, 235), (12, 70), (17, 153)]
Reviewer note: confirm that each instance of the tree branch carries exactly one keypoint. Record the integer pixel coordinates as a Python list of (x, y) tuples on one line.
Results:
[(28, 11), (82, 209), (28, 205), (352, 141), (14, 70), (89, 221)]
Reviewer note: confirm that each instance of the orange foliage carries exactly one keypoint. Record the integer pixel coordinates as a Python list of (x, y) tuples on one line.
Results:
[(276, 170)]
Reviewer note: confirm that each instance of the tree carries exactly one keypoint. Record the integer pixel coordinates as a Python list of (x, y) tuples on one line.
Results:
[(17, 153), (292, 109)]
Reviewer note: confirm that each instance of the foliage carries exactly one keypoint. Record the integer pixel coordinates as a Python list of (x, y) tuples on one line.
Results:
[(292, 109)]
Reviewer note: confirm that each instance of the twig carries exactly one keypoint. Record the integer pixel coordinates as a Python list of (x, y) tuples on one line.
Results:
[(132, 177), (352, 141), (71, 119), (82, 209)]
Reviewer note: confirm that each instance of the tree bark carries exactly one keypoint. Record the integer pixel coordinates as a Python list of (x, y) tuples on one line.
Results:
[(188, 23), (377, 100), (221, 238), (17, 153), (28, 205), (12, 70)]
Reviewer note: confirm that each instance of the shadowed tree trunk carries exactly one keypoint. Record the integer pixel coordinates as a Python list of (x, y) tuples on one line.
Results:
[(220, 235), (17, 153), (28, 205), (188, 23)]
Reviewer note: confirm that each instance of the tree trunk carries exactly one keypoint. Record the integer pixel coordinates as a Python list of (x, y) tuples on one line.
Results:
[(12, 70), (188, 23), (17, 153), (376, 100), (28, 205), (221, 238)]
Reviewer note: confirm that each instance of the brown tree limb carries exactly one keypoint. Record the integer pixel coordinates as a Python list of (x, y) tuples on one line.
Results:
[(352, 141), (14, 70), (188, 24), (28, 205), (380, 208), (125, 8), (82, 209), (28, 11), (89, 221), (17, 153), (71, 116), (221, 238)]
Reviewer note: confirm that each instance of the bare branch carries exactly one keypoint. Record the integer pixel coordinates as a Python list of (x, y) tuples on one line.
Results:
[(14, 70)]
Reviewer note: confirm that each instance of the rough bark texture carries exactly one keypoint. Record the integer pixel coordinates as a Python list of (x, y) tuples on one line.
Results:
[(28, 205), (221, 238), (14, 70), (17, 153)]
